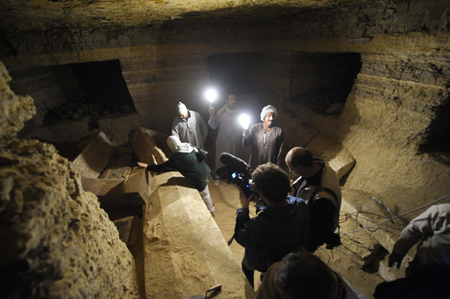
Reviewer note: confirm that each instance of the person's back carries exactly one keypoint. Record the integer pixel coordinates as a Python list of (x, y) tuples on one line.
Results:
[(188, 165), (275, 233), (279, 229), (184, 160), (432, 230)]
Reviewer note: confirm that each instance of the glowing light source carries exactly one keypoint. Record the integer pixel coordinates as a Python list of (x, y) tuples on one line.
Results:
[(244, 120), (211, 95)]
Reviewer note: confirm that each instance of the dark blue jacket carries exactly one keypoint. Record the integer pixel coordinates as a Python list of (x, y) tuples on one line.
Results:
[(274, 233)]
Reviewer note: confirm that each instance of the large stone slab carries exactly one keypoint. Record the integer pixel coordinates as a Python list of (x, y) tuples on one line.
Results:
[(185, 252)]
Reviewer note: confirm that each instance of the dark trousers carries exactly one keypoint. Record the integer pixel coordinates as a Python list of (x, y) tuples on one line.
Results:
[(248, 270)]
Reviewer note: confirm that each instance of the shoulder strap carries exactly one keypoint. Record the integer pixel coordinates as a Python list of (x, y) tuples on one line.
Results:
[(328, 190), (324, 192)]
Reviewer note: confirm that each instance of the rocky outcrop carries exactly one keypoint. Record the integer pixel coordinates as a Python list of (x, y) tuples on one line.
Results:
[(56, 240)]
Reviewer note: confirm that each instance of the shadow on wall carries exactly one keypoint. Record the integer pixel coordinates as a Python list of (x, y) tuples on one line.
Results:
[(321, 85), (437, 142)]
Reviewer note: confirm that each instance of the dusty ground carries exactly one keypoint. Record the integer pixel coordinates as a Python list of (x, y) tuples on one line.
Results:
[(342, 259)]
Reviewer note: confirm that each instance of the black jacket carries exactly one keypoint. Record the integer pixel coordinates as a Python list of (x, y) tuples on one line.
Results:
[(188, 165), (272, 234)]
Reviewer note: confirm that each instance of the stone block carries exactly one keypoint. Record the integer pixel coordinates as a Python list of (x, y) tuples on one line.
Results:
[(114, 193), (185, 252), (333, 153), (94, 158), (145, 148), (124, 226), (118, 128)]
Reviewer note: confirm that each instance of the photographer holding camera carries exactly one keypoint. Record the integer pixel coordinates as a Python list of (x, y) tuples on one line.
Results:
[(280, 228)]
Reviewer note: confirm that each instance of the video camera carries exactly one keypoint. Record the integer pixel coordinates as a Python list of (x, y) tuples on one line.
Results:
[(236, 172)]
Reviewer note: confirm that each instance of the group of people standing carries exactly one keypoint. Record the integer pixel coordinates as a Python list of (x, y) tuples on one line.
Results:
[(280, 241), (286, 223)]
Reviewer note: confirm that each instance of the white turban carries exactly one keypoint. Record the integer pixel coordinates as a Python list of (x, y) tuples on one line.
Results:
[(176, 146), (267, 109), (182, 110)]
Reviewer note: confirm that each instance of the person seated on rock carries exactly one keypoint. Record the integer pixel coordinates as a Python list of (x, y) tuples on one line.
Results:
[(432, 228), (319, 186), (303, 275), (184, 160), (280, 228)]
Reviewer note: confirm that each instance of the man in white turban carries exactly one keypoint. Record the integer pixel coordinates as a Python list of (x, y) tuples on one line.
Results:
[(184, 160), (189, 126), (266, 139)]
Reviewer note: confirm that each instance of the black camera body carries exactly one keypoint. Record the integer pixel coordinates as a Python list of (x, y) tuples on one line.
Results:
[(333, 241), (236, 172)]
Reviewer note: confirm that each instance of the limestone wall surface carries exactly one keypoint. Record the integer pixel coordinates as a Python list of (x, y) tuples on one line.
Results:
[(387, 117), (56, 240)]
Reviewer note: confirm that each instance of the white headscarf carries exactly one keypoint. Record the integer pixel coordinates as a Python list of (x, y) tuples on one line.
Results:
[(176, 146), (181, 108), (267, 109)]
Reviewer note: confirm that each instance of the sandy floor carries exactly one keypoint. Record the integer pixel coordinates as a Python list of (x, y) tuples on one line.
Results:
[(342, 259)]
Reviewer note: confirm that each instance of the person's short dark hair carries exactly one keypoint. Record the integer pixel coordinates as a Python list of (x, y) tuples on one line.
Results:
[(304, 275), (231, 91), (302, 157), (271, 182)]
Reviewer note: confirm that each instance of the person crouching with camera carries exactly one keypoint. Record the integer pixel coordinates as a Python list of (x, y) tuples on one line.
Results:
[(280, 228)]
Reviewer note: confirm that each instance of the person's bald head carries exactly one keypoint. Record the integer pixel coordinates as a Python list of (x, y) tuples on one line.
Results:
[(299, 156), (300, 161)]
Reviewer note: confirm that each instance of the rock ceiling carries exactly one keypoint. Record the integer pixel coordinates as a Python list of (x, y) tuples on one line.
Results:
[(42, 15)]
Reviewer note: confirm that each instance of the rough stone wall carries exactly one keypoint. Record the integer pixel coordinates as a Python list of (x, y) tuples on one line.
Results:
[(216, 23), (157, 83), (386, 119), (41, 84), (56, 240)]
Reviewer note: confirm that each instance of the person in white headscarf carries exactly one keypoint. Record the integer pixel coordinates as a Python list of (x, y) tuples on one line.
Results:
[(184, 160), (226, 120), (189, 126), (266, 139)]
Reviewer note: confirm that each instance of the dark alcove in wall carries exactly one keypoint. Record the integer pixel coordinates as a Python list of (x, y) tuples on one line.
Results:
[(319, 80), (437, 141), (315, 80), (253, 75), (99, 89), (104, 81)]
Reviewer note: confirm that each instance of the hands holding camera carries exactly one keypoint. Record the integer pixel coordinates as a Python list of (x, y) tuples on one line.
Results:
[(243, 199)]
